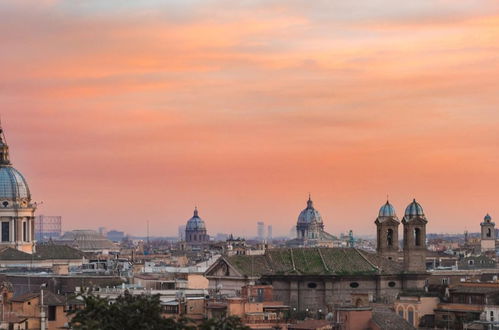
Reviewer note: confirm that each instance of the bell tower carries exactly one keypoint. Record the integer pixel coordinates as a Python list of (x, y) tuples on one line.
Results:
[(488, 237), (387, 235), (414, 222)]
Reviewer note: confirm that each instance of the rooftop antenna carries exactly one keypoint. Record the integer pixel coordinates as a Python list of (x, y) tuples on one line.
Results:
[(147, 233)]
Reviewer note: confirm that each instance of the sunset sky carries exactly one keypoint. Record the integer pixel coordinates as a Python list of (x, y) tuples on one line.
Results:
[(118, 112)]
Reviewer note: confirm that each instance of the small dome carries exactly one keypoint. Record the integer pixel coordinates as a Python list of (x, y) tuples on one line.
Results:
[(309, 214), (414, 210), (487, 218), (387, 210), (13, 186), (195, 223)]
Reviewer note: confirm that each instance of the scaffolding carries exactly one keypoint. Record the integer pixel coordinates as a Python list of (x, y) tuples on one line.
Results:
[(47, 227)]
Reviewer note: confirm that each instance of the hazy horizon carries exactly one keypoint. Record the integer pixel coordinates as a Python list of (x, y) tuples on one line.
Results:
[(118, 113)]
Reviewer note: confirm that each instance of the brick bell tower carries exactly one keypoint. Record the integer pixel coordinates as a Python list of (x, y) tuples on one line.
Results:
[(387, 233), (414, 222)]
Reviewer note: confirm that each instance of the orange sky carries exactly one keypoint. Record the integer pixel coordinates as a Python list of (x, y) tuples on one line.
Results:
[(121, 112)]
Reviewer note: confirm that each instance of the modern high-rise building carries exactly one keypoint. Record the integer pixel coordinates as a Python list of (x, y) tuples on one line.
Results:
[(260, 230), (47, 227), (269, 232), (181, 233)]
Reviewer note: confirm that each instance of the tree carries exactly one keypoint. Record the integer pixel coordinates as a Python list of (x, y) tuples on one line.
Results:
[(127, 312), (143, 312)]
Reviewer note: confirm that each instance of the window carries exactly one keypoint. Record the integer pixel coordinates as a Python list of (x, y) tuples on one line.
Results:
[(401, 311), (392, 284), (389, 238), (354, 285), (489, 232), (410, 316), (445, 281), (5, 231), (312, 285), (417, 237), (25, 231), (52, 313)]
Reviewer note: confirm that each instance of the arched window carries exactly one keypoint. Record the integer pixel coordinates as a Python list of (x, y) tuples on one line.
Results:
[(417, 237), (389, 237), (401, 311), (410, 315), (489, 232)]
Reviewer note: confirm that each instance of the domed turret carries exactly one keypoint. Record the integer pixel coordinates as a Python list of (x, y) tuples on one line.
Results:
[(309, 214), (414, 210), (387, 210), (487, 218)]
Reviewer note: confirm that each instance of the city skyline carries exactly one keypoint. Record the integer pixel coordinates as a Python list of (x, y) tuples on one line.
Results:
[(119, 114)]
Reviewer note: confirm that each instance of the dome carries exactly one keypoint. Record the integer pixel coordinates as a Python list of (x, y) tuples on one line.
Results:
[(195, 223), (13, 186), (387, 210), (487, 218), (414, 210), (86, 240), (309, 214)]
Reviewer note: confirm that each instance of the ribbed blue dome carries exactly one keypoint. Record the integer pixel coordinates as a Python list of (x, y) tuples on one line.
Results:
[(309, 214), (13, 186), (414, 210), (487, 218), (195, 223), (387, 210)]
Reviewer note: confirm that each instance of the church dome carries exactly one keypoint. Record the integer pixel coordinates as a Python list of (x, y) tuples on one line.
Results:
[(309, 214), (387, 210), (195, 223), (414, 210), (13, 185), (487, 218)]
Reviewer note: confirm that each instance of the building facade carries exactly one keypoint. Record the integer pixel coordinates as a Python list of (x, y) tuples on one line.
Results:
[(17, 211)]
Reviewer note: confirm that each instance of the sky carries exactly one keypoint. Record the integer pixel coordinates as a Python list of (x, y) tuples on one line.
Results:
[(122, 112)]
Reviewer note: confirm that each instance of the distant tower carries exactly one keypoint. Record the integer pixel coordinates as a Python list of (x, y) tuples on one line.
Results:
[(488, 241), (260, 230), (17, 225), (387, 233), (269, 232), (351, 239), (414, 222)]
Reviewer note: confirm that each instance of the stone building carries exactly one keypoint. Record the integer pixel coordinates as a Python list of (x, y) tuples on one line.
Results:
[(488, 234), (387, 236), (195, 230), (320, 278), (17, 229)]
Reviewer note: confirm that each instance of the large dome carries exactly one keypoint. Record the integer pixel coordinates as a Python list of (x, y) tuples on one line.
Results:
[(309, 214), (195, 223), (414, 210), (13, 185), (387, 210), (86, 240)]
